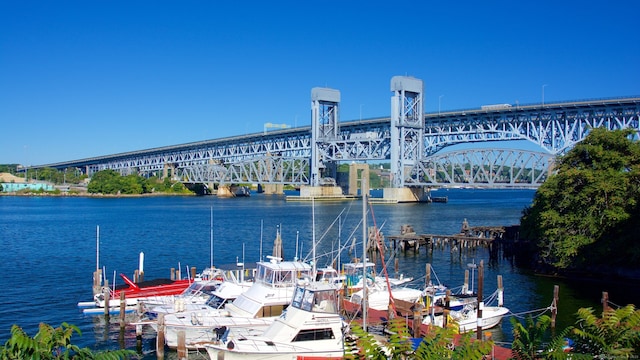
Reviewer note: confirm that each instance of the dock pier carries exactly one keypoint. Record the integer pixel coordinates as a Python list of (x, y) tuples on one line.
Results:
[(469, 237)]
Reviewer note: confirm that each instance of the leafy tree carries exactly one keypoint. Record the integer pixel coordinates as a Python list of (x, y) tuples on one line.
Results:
[(53, 343), (104, 182), (592, 200)]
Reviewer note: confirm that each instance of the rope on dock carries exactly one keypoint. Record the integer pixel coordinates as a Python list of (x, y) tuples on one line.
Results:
[(541, 312)]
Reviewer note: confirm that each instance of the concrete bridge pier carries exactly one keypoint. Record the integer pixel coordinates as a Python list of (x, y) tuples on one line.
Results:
[(273, 189), (224, 191), (322, 192), (406, 194)]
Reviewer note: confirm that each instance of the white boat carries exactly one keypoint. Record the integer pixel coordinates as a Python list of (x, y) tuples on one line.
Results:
[(257, 307), (353, 274), (379, 295), (224, 294), (311, 328), (467, 319)]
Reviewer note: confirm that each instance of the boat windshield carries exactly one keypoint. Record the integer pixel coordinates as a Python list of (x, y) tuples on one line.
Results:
[(216, 302), (323, 301)]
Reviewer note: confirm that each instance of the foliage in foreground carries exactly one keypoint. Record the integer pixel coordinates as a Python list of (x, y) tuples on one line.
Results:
[(54, 343), (614, 335), (439, 343), (588, 211)]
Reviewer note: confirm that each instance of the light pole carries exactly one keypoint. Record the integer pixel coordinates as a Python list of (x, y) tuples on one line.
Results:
[(439, 98), (543, 94)]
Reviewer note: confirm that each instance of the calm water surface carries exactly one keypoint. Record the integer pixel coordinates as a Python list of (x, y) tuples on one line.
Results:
[(48, 249)]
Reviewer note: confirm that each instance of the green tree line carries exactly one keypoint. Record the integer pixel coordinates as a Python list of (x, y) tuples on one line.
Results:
[(111, 182), (586, 215)]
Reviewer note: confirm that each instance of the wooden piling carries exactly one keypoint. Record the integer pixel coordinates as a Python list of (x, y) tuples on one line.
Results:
[(427, 272), (605, 302), (417, 320), (136, 276), (182, 345), (123, 308), (447, 304), (500, 291), (480, 302), (107, 299), (173, 274), (160, 337), (554, 306), (193, 272)]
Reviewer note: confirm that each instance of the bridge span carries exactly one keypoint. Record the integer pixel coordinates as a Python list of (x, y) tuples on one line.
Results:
[(502, 145)]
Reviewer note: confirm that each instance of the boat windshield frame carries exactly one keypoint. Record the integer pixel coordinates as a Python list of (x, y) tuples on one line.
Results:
[(308, 299)]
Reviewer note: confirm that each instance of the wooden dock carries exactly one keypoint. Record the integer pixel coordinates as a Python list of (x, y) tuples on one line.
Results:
[(469, 237)]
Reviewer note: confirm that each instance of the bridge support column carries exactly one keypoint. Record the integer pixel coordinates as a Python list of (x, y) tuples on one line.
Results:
[(168, 171), (405, 194), (324, 127), (354, 179), (273, 189), (407, 128), (224, 191), (326, 192)]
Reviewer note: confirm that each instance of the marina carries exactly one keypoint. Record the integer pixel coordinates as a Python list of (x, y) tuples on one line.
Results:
[(175, 232)]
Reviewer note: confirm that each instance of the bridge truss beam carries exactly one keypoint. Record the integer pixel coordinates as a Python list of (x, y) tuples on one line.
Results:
[(486, 168), (262, 170), (554, 128)]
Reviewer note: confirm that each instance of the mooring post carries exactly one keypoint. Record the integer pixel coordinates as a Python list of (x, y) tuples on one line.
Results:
[(123, 307), (605, 302), (160, 337), (427, 272), (480, 302), (500, 291), (447, 304), (107, 299), (182, 346), (417, 320), (554, 306)]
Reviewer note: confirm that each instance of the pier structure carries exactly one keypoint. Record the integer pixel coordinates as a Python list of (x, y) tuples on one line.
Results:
[(469, 237)]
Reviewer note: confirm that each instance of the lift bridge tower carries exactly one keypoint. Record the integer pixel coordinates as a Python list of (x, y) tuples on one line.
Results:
[(407, 137), (325, 105)]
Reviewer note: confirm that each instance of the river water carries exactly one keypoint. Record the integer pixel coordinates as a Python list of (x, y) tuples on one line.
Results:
[(48, 249)]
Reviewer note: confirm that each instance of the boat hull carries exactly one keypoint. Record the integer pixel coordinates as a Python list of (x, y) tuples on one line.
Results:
[(279, 353), (491, 317)]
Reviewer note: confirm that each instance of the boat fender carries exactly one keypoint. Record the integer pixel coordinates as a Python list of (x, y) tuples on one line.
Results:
[(230, 345)]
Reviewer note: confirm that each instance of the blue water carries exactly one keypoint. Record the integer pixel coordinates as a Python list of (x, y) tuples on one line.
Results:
[(48, 249)]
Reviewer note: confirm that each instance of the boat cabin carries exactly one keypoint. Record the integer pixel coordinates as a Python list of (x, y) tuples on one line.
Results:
[(320, 298), (272, 289), (353, 272)]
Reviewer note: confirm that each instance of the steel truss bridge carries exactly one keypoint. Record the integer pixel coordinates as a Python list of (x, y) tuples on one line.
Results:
[(491, 146)]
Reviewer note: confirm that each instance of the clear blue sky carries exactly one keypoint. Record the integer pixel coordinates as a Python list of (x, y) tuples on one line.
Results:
[(87, 78)]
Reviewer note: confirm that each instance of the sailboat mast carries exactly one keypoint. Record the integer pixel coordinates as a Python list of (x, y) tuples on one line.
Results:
[(363, 184), (211, 241), (97, 248), (313, 235)]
